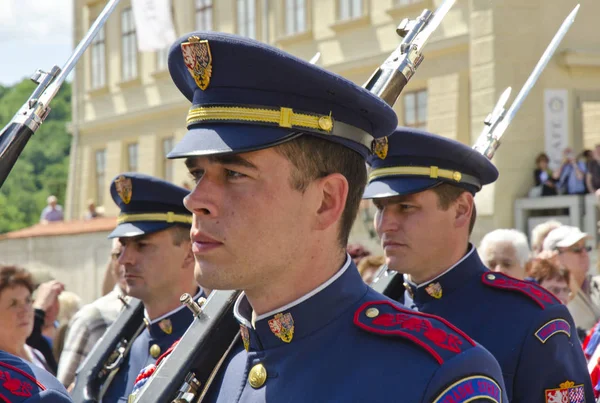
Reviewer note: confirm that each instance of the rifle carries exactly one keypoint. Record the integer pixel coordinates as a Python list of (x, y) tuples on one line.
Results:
[(389, 79), (102, 364), (15, 135)]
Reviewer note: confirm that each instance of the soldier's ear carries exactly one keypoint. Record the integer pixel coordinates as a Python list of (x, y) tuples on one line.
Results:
[(333, 192), (463, 207)]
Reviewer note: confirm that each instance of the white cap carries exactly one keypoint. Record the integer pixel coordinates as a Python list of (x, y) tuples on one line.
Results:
[(563, 237)]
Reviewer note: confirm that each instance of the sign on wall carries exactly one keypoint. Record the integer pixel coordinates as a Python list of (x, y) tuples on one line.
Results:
[(556, 129)]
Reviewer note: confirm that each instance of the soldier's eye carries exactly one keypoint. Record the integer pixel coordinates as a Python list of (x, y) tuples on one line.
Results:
[(234, 174)]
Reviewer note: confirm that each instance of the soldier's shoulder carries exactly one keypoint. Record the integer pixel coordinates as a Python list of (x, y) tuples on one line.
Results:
[(519, 290), (21, 381), (435, 336)]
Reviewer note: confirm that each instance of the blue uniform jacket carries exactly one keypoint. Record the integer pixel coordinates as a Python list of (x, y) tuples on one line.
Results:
[(531, 334), (344, 342), (140, 354), (24, 382)]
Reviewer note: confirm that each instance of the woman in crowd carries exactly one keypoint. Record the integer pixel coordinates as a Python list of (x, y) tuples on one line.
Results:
[(553, 278), (16, 314), (543, 176)]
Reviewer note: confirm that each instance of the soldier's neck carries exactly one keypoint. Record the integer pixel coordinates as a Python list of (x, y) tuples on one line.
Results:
[(160, 306), (439, 267), (293, 283)]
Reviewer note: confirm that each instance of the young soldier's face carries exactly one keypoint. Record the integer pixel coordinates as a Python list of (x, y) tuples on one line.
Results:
[(249, 224), (416, 233), (152, 264)]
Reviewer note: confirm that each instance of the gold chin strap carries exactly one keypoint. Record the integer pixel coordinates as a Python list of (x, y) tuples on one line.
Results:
[(432, 172), (279, 117), (168, 217)]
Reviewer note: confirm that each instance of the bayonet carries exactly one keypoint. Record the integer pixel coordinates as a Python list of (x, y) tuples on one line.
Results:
[(392, 76), (497, 122)]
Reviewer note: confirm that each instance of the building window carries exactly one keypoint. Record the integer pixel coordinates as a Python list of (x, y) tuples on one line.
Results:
[(349, 9), (98, 65), (168, 145), (132, 157), (161, 59), (246, 18), (415, 109), (204, 15), (295, 16), (100, 176), (128, 46), (405, 2)]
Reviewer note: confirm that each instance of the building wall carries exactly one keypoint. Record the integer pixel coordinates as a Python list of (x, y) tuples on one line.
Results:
[(481, 48), (78, 260)]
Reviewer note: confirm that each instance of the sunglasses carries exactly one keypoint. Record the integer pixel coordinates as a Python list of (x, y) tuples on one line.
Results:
[(576, 250)]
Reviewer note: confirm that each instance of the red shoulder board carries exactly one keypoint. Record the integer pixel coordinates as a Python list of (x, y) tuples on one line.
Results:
[(434, 334), (539, 294), (17, 385)]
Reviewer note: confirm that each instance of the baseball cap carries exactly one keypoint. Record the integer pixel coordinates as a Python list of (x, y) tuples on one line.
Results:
[(563, 237)]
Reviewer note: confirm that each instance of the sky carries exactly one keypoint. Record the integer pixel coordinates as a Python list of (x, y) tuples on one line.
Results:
[(34, 34)]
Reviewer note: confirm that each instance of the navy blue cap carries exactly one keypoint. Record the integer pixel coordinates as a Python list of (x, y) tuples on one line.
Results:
[(247, 96), (147, 204), (411, 161)]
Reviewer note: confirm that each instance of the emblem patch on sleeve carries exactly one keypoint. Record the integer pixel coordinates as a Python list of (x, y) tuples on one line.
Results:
[(551, 328), (568, 392), (469, 389)]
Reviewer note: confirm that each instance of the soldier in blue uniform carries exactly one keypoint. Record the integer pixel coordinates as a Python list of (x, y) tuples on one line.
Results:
[(277, 148), (24, 382), (153, 227), (423, 186)]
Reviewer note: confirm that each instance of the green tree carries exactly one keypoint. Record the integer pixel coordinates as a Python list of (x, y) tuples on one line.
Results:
[(42, 168)]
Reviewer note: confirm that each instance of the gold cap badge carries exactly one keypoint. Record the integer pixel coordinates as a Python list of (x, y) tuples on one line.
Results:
[(435, 290), (380, 147), (124, 188), (282, 326), (198, 60), (166, 326)]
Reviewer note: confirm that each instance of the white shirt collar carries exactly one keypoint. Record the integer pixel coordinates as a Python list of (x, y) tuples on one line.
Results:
[(406, 277), (286, 307), (166, 315)]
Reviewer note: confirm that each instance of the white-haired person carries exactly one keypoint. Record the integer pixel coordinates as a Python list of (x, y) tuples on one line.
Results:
[(52, 212), (539, 233), (506, 251)]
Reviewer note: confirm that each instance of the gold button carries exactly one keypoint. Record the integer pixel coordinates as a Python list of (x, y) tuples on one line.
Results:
[(457, 176), (257, 376), (491, 277), (325, 123), (155, 351), (372, 313)]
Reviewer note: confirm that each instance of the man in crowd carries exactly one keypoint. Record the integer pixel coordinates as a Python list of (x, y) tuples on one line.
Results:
[(506, 251), (52, 212), (276, 147), (91, 321), (424, 193)]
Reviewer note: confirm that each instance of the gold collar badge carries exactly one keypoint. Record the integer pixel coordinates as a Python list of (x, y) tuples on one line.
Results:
[(435, 290), (282, 326), (166, 326)]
